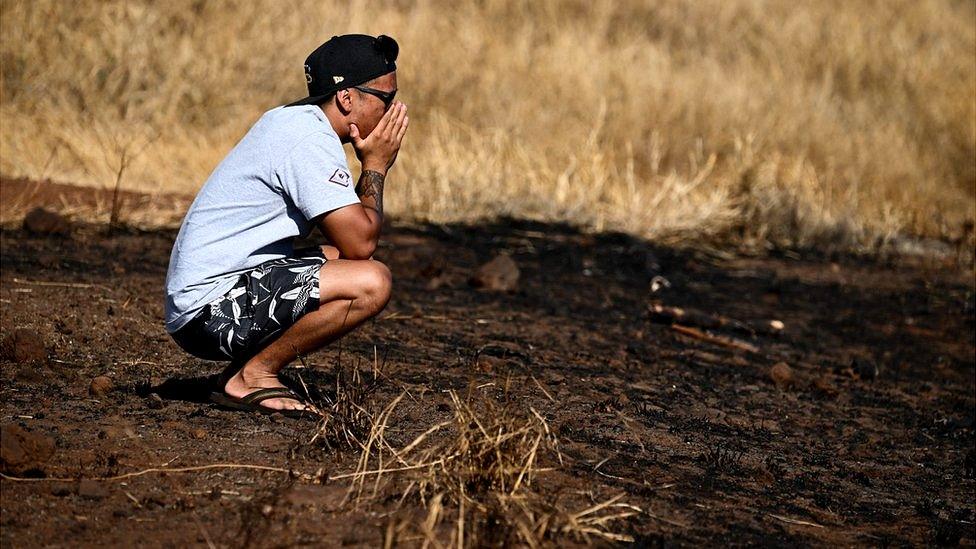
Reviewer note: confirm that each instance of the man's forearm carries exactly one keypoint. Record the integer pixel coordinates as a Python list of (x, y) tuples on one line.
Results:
[(370, 191)]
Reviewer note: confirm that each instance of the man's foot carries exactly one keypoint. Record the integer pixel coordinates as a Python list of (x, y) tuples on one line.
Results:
[(252, 402), (247, 381)]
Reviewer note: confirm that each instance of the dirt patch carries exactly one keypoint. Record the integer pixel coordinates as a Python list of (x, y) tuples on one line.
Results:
[(869, 442)]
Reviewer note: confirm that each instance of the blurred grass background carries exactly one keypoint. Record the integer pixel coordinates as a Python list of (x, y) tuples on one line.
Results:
[(773, 122)]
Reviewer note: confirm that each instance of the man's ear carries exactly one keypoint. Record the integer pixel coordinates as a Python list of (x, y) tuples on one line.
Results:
[(343, 101)]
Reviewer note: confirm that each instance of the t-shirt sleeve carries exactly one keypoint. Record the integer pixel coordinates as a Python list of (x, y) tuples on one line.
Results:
[(315, 175)]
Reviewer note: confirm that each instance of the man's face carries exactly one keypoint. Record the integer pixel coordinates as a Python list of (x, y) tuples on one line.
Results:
[(368, 108)]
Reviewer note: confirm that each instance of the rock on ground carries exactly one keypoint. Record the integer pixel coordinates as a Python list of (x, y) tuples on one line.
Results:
[(42, 221), (781, 374), (501, 274), (23, 345), (100, 386), (22, 451)]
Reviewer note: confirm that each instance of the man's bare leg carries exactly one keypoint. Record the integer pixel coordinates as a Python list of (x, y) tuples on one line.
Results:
[(350, 292)]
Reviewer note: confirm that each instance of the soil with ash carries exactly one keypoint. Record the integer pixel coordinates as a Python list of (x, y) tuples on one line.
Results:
[(865, 436)]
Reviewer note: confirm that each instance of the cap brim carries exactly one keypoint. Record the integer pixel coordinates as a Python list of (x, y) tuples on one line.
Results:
[(316, 99)]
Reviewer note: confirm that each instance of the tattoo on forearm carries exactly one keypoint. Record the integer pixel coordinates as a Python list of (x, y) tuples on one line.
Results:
[(370, 185)]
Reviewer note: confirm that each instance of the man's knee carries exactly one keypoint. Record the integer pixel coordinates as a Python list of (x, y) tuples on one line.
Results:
[(376, 285)]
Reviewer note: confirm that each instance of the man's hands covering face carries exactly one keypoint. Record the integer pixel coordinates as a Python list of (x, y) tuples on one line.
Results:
[(379, 150)]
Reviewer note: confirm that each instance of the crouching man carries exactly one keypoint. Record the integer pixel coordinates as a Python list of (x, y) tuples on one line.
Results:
[(236, 288)]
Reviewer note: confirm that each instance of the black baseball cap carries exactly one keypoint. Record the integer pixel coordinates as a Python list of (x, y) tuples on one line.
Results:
[(346, 61)]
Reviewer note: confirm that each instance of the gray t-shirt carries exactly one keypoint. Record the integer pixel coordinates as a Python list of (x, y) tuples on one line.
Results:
[(289, 168)]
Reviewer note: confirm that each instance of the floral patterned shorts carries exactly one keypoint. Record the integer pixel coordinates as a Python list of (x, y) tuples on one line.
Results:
[(264, 302)]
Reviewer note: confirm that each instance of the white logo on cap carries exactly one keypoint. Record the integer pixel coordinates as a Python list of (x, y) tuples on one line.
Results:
[(337, 79), (308, 74)]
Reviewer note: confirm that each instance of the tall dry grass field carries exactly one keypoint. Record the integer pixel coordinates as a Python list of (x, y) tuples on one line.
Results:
[(799, 123)]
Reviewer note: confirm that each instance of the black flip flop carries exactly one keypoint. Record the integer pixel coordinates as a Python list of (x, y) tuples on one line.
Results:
[(252, 402)]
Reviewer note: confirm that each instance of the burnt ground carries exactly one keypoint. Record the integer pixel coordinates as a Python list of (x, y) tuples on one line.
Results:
[(868, 441)]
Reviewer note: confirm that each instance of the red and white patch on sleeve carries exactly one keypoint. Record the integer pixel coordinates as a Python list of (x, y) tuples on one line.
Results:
[(341, 177)]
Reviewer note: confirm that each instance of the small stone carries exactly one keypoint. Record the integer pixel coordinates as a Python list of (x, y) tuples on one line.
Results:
[(41, 221), (22, 451), (92, 489), (824, 385), (198, 434), (100, 386), (781, 374), (501, 274), (659, 283), (23, 345), (155, 402)]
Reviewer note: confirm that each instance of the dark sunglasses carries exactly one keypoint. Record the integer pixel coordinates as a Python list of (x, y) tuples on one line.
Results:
[(385, 97)]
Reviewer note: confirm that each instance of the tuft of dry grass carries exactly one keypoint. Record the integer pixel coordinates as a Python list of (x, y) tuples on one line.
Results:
[(347, 413), (816, 123), (347, 408), (494, 451), (476, 476)]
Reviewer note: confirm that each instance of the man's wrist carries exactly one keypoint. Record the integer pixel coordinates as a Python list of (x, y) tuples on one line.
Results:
[(380, 169)]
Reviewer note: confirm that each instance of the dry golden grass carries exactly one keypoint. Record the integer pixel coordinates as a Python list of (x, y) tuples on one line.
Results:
[(823, 122), (475, 476)]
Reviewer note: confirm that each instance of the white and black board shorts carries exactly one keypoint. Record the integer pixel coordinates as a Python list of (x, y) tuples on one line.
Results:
[(262, 304)]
